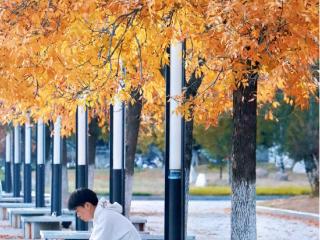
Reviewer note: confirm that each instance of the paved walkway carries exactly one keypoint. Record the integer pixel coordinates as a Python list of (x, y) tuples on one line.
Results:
[(211, 220)]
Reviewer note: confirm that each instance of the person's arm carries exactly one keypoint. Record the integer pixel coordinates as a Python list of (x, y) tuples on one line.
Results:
[(101, 229), (97, 232)]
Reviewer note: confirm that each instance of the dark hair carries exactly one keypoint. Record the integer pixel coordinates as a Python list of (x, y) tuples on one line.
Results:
[(80, 196)]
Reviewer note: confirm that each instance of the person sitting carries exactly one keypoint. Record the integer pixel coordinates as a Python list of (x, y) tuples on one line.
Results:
[(108, 222)]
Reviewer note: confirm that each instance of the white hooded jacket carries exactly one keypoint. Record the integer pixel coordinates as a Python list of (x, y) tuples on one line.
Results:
[(110, 224)]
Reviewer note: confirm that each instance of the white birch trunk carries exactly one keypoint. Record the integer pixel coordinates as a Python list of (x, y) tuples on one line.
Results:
[(243, 214), (65, 187), (91, 168), (48, 176), (128, 193)]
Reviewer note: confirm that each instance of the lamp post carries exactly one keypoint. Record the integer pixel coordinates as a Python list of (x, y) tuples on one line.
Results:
[(118, 165), (40, 170), (17, 163), (8, 177), (27, 165), (174, 183), (82, 157), (56, 186)]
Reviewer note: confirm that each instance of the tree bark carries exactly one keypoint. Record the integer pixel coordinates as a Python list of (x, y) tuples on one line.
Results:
[(187, 166), (192, 88), (243, 199), (282, 167), (312, 161), (230, 171), (93, 137), (133, 117), (312, 172)]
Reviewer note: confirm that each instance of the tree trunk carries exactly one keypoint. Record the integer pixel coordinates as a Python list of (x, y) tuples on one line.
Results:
[(312, 161), (230, 171), (91, 169), (133, 114), (187, 166), (313, 175), (316, 178), (64, 174), (48, 177), (128, 193), (93, 137), (281, 163), (243, 199), (316, 161), (192, 87)]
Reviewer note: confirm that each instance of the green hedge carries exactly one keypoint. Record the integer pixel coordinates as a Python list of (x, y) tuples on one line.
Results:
[(225, 190)]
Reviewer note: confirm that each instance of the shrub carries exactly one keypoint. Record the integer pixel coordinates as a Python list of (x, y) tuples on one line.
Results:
[(225, 190)]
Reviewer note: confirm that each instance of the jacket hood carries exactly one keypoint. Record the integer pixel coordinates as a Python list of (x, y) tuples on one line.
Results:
[(110, 206)]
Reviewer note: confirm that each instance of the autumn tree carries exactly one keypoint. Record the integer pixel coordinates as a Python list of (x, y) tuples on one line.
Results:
[(67, 53), (302, 141)]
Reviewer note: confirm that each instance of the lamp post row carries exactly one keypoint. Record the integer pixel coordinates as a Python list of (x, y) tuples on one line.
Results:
[(174, 155)]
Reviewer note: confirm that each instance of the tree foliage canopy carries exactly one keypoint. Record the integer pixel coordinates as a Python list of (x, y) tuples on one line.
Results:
[(57, 54)]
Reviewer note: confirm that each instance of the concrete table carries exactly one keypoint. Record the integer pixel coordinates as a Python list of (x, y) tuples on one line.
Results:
[(4, 207), (33, 225), (47, 235), (139, 223), (64, 234), (15, 214), (159, 237), (11, 199)]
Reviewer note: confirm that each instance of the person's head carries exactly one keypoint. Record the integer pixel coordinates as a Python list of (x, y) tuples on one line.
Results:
[(84, 202)]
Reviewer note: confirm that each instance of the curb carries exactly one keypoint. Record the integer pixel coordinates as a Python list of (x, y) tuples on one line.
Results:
[(306, 215)]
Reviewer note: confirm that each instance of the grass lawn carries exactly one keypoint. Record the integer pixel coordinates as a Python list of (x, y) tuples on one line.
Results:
[(151, 182)]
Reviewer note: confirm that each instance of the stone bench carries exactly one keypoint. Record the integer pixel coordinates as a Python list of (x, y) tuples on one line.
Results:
[(139, 223), (5, 205), (6, 194), (64, 234), (160, 237), (15, 214), (47, 235), (33, 194), (11, 200), (33, 225), (20, 199)]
